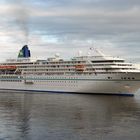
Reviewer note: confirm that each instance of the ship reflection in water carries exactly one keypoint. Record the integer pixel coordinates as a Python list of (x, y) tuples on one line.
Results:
[(68, 117)]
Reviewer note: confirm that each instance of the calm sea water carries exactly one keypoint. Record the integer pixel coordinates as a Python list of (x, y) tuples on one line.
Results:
[(68, 117)]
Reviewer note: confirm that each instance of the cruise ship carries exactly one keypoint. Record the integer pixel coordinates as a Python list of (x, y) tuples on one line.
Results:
[(94, 74)]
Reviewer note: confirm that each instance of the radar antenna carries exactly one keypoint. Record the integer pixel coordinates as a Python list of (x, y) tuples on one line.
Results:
[(97, 51)]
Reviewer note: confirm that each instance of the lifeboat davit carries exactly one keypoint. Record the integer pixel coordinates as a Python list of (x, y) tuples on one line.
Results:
[(7, 67), (80, 67)]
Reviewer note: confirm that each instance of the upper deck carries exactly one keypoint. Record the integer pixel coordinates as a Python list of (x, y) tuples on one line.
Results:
[(84, 64)]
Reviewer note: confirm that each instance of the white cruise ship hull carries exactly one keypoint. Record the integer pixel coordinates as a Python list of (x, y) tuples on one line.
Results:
[(121, 84)]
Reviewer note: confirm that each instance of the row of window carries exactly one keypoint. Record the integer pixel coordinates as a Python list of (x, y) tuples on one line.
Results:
[(66, 66), (6, 80), (124, 78), (88, 69), (127, 78), (107, 61), (49, 81), (69, 73), (64, 62), (56, 81)]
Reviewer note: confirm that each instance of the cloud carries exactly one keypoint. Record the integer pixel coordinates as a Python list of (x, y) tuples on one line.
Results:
[(65, 25)]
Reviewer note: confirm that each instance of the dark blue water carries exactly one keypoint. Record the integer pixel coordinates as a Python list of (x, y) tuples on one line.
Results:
[(68, 117)]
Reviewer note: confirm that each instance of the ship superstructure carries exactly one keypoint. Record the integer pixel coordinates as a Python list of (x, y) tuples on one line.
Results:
[(98, 74)]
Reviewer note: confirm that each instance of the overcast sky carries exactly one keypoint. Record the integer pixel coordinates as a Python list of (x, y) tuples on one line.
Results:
[(66, 26)]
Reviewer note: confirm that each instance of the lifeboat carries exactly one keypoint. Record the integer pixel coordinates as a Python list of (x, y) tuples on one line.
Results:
[(7, 67), (80, 67)]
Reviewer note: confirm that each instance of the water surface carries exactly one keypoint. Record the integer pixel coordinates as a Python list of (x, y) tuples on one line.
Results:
[(28, 116)]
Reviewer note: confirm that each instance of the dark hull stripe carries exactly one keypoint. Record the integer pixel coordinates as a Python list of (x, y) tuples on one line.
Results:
[(64, 92)]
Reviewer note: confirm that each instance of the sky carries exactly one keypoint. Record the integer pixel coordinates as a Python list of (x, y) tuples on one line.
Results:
[(67, 26)]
